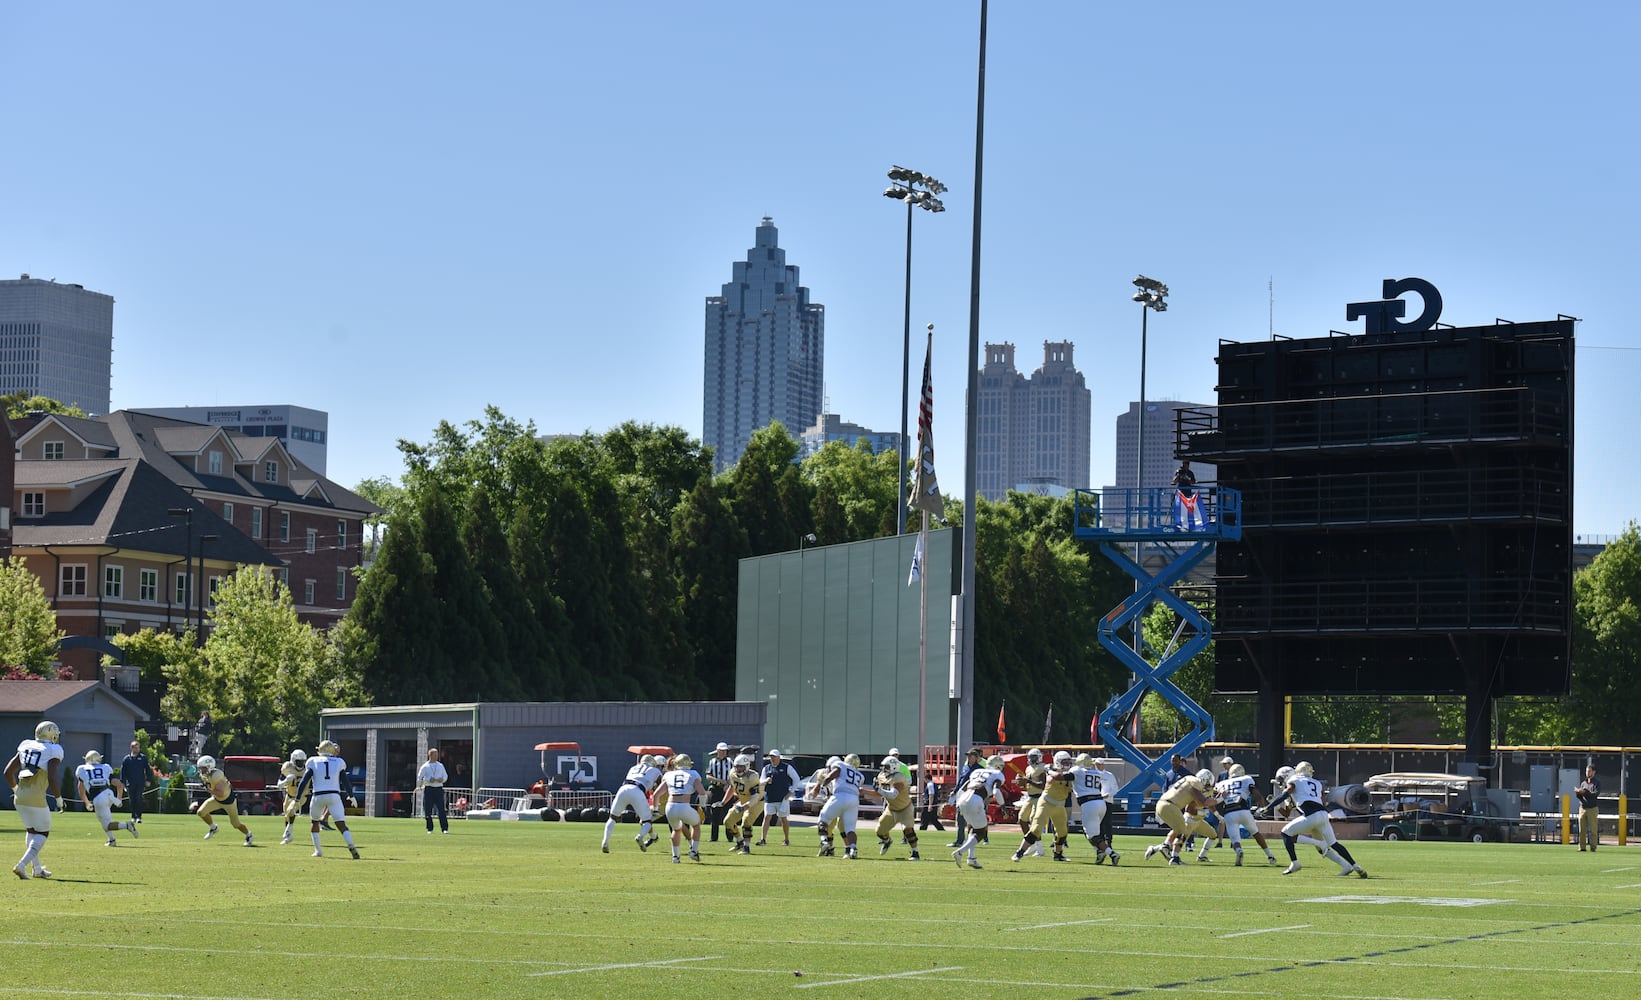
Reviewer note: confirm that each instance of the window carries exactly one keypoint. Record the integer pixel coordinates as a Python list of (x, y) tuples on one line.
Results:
[(228, 512), (307, 592), (148, 585), (213, 585), (270, 472), (341, 536), (256, 522), (111, 629), (52, 451), (213, 463), (183, 591), (284, 525), (284, 576), (313, 540), (34, 505), (113, 581), (71, 582), (341, 583)]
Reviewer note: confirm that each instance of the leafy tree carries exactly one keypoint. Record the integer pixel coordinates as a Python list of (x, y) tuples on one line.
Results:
[(159, 654), (707, 545), (520, 652), (1605, 706), (393, 638), (854, 491), (389, 496), (771, 509), (28, 626), (19, 406)]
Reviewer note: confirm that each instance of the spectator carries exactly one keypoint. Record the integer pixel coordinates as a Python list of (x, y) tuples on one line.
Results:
[(134, 772), (1187, 505), (930, 815), (717, 783), (1589, 816), (202, 732), (101, 790), (430, 779), (779, 779)]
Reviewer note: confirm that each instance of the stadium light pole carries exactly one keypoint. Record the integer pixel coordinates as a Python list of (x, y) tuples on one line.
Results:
[(917, 190), (971, 429), (1152, 295)]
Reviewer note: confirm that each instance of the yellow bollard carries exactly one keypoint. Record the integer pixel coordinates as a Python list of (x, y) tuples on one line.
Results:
[(1566, 819), (1623, 819)]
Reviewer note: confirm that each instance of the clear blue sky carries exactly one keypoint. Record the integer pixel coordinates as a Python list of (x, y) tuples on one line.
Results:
[(400, 213)]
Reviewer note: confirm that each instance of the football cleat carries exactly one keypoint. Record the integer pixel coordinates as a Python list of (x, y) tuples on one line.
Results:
[(1174, 860), (603, 847), (1152, 850), (285, 839), (1202, 859), (1060, 857), (353, 851), (882, 847), (1099, 859), (1239, 859), (974, 863), (22, 872), (131, 828), (41, 872), (1295, 866), (1017, 855), (675, 860), (1115, 857), (695, 856), (212, 832), (957, 856), (249, 842), (1347, 871), (915, 857), (318, 854), (1359, 870)]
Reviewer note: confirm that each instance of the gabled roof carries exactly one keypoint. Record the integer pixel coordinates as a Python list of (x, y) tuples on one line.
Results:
[(44, 698), (68, 472), (90, 432), (189, 439)]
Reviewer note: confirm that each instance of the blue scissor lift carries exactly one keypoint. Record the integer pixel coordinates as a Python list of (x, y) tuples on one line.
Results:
[(1121, 517)]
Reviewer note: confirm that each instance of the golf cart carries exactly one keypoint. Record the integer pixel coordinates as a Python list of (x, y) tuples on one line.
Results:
[(1432, 806)]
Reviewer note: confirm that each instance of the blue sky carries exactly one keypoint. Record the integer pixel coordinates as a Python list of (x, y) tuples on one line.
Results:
[(400, 213)]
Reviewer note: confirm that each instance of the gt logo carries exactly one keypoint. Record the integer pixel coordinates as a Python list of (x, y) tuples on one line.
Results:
[(585, 774), (1382, 316)]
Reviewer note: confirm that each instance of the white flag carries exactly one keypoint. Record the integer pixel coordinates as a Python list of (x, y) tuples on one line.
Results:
[(917, 561)]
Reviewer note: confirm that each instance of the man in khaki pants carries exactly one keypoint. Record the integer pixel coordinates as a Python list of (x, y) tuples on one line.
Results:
[(1589, 817)]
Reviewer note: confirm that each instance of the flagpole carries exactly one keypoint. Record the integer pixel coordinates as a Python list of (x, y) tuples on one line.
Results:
[(923, 672)]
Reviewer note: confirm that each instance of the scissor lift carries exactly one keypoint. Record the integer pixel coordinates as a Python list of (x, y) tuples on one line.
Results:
[(1119, 518)]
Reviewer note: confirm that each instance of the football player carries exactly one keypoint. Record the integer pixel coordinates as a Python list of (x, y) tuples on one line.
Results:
[(101, 791), (984, 785), (1091, 801), (219, 797), (1306, 791), (1177, 810), (1050, 812), (1237, 792), (34, 772), (686, 797), (1032, 780), (897, 806), (634, 795), (324, 783), (843, 806), (816, 792), (290, 781), (745, 799)]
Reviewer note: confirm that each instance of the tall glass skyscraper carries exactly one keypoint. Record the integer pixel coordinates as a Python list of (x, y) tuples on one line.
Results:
[(56, 340), (765, 344)]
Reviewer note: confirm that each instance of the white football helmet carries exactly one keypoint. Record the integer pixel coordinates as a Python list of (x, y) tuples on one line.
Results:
[(93, 757), (47, 732), (891, 763), (1205, 776), (1304, 767), (290, 769), (833, 761), (742, 762), (682, 762), (995, 762), (1034, 755), (299, 757), (1099, 762), (853, 759), (1062, 758), (206, 763), (329, 748), (1238, 771), (1283, 773)]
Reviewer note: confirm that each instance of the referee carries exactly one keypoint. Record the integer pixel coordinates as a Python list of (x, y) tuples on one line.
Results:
[(430, 779), (717, 782)]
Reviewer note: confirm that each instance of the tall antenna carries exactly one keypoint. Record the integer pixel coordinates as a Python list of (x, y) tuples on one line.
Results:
[(1270, 291)]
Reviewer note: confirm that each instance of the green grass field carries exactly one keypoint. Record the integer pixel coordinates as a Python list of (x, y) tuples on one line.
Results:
[(534, 910)]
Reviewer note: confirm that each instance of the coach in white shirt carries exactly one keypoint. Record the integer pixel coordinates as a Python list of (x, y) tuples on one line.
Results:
[(430, 779)]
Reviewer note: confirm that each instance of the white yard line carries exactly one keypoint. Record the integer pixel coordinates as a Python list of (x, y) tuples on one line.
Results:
[(1267, 930), (658, 963), (1502, 881), (893, 975), (1066, 923)]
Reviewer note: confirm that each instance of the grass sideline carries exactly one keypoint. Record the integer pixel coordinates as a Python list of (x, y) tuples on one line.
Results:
[(529, 909)]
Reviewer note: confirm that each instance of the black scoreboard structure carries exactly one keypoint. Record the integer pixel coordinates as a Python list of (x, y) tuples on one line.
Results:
[(1407, 512)]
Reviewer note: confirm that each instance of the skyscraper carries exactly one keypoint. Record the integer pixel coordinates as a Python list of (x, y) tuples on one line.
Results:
[(1160, 462), (1034, 432), (765, 346), (56, 340)]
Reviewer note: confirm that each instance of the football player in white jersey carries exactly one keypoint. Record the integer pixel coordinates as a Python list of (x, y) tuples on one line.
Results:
[(1306, 791), (1091, 795), (33, 772), (686, 799), (846, 780), (634, 794), (101, 790), (985, 784), (325, 778), (1237, 792)]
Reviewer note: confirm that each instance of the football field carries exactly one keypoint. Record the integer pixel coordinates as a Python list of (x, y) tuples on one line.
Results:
[(508, 909)]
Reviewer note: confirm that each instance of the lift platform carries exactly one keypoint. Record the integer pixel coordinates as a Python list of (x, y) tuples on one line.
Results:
[(1159, 521)]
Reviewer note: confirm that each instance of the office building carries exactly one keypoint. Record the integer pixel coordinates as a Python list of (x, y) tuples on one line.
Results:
[(304, 432), (1160, 444), (56, 340), (765, 346), (1034, 431), (831, 427)]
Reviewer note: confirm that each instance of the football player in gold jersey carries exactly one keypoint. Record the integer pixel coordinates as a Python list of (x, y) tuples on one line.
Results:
[(1050, 812), (1033, 779), (220, 796), (1177, 810), (897, 806), (746, 791)]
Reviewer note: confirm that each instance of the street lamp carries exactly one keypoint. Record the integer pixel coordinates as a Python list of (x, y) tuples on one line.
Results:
[(187, 558), (199, 599), (809, 538), (917, 190)]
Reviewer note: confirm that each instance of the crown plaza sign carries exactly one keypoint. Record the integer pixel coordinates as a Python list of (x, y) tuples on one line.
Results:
[(1384, 316)]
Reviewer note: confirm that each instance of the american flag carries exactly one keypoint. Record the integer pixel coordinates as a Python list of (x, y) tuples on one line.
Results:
[(925, 486)]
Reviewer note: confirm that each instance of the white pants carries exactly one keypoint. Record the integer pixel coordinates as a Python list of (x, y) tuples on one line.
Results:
[(1093, 812), (103, 805), (630, 797), (681, 815), (1315, 824), (36, 818), (838, 807), (327, 800), (1240, 822), (971, 806)]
